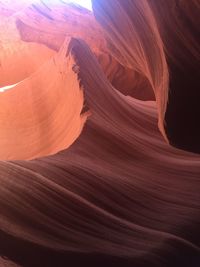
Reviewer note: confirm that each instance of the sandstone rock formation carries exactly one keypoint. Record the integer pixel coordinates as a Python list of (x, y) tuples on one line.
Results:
[(87, 172)]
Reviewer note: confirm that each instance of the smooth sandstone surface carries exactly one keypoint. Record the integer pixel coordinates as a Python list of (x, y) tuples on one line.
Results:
[(89, 105)]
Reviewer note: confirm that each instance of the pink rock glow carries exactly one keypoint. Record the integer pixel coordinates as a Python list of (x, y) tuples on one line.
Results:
[(99, 135)]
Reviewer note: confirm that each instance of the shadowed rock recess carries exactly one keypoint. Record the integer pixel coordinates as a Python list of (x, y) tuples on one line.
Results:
[(99, 134)]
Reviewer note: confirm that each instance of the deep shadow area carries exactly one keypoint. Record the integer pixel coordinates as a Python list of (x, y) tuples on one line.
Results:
[(30, 255), (183, 110), (181, 40)]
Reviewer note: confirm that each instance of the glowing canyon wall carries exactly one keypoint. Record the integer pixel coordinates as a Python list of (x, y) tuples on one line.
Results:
[(99, 134)]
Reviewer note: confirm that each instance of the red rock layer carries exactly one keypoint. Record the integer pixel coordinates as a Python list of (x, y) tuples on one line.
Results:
[(120, 190)]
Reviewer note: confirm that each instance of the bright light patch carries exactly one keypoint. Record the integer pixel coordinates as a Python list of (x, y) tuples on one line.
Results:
[(85, 3), (2, 89)]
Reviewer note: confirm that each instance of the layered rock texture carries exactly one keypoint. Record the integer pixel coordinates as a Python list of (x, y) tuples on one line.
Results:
[(99, 136)]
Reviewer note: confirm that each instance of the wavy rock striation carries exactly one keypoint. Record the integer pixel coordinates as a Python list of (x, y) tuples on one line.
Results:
[(104, 186)]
